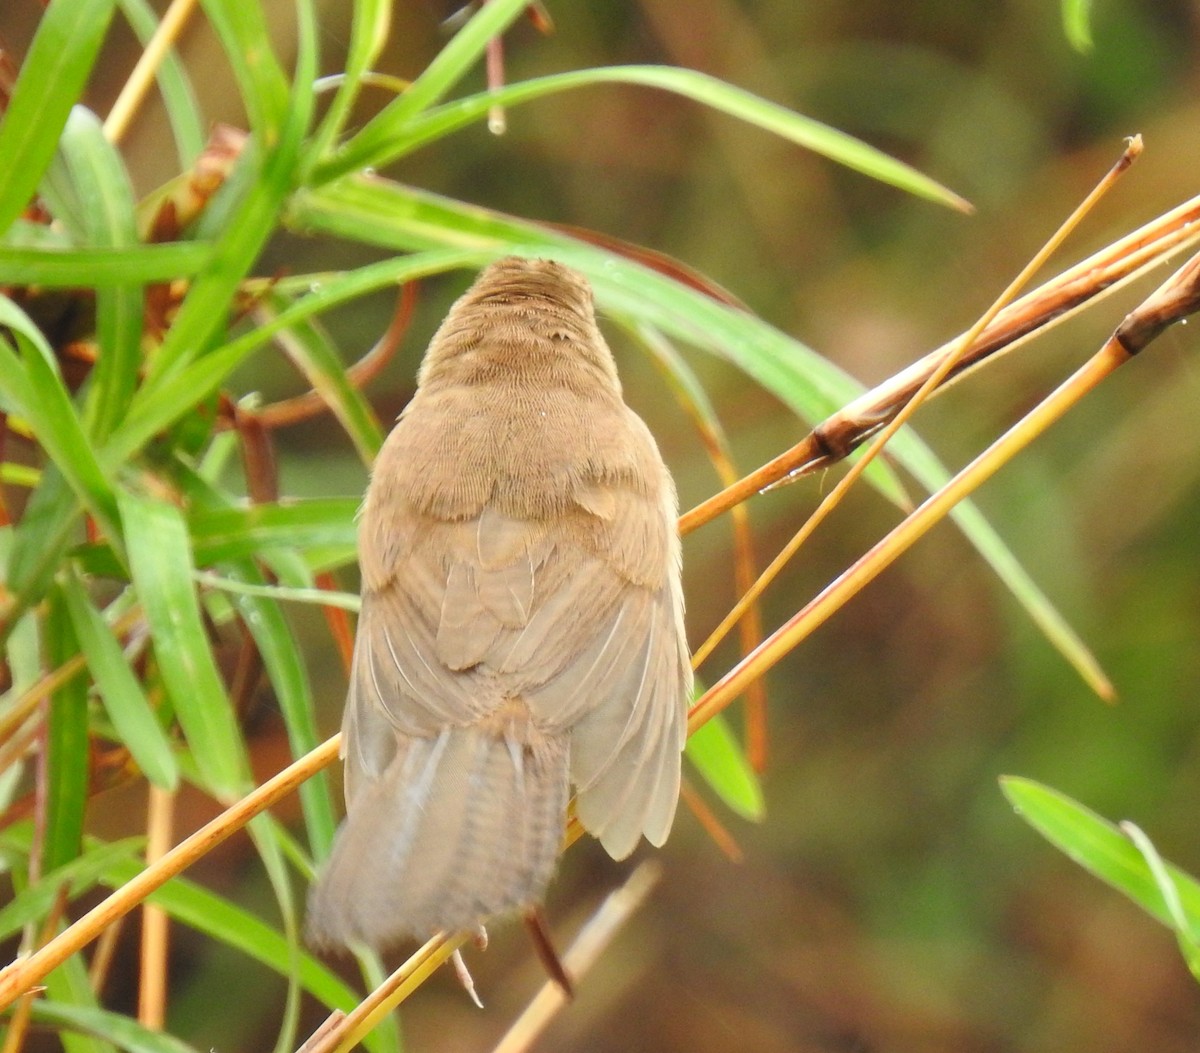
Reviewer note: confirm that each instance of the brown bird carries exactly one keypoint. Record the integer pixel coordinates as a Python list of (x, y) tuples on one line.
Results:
[(521, 628)]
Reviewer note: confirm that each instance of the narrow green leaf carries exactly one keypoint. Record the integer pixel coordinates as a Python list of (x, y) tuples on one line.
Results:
[(34, 902), (33, 387), (1188, 945), (24, 233), (156, 409), (262, 84), (283, 661), (100, 268), (124, 700), (104, 190), (403, 138), (216, 917), (67, 754), (122, 1031), (272, 161), (237, 928), (40, 540), (267, 837), (289, 679), (368, 34), (1077, 24), (347, 601), (70, 984), (1099, 847), (183, 112), (224, 534), (313, 352), (446, 69), (721, 762), (52, 77), (161, 563)]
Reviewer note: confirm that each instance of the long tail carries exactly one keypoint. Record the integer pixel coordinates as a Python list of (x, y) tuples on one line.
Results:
[(458, 828)]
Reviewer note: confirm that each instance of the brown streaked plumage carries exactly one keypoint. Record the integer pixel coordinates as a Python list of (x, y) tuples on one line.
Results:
[(521, 628)]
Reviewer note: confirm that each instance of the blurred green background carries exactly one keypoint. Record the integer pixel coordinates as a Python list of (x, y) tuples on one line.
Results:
[(891, 900)]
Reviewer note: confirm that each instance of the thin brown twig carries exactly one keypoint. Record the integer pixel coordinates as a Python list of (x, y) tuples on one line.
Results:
[(102, 957), (713, 826), (309, 404)]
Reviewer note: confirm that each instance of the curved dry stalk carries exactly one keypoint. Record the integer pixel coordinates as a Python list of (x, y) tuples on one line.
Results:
[(312, 402), (1052, 303)]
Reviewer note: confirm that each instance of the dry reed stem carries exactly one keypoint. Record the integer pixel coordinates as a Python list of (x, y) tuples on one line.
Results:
[(137, 86), (153, 982), (585, 950)]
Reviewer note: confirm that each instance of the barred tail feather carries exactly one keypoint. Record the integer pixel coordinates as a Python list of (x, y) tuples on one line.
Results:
[(459, 827)]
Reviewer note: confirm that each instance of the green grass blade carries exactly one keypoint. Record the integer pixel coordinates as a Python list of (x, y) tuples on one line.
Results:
[(719, 758), (1184, 936), (122, 1031), (313, 352), (263, 86), (104, 190), (47, 529), (1077, 24), (161, 563), (716, 94), (34, 902), (217, 918), (446, 69), (67, 749), (100, 268), (267, 839), (272, 159), (284, 664), (1099, 847), (70, 984), (368, 34), (154, 410), (124, 700), (219, 535), (347, 601), (33, 387), (289, 679), (52, 78)]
